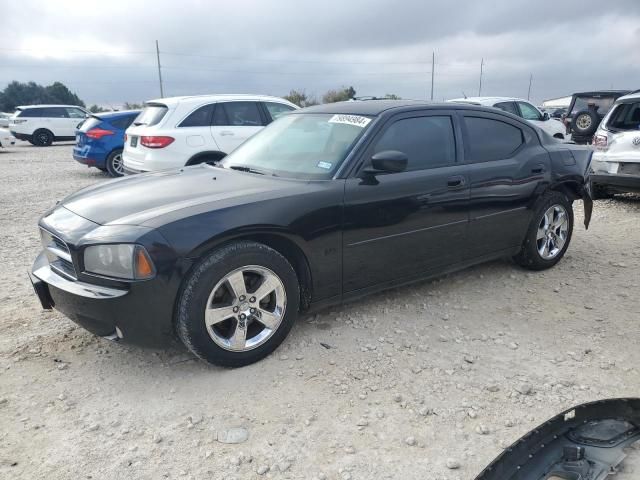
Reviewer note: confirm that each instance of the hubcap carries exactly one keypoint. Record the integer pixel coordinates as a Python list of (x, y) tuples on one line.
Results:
[(552, 232), (583, 121), (118, 167), (245, 308)]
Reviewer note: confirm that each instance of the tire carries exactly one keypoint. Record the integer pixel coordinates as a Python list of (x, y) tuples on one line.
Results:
[(209, 285), (585, 122), (102, 169), (30, 140), (532, 254), (114, 165), (42, 138)]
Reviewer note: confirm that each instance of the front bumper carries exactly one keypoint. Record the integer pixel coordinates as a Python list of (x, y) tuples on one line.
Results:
[(135, 314)]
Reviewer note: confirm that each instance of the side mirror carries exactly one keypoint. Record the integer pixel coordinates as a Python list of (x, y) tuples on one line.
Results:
[(545, 116), (388, 161)]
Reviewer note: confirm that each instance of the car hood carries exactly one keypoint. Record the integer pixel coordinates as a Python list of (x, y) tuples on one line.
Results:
[(137, 199)]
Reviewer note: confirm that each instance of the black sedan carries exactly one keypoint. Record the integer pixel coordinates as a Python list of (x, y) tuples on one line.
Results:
[(326, 204)]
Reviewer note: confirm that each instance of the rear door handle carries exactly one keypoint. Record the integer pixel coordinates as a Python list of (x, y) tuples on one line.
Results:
[(225, 133), (456, 181)]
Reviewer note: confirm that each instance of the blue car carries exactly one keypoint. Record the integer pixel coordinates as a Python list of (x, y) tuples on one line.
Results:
[(100, 140)]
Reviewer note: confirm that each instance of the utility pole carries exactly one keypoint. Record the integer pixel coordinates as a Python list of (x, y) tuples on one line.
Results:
[(481, 68), (159, 70), (433, 68), (530, 81)]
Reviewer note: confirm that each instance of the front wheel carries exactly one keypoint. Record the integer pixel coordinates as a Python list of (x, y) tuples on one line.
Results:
[(115, 167), (549, 233), (238, 304), (42, 138)]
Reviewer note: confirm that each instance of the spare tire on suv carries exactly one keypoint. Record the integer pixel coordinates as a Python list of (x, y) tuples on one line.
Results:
[(585, 122)]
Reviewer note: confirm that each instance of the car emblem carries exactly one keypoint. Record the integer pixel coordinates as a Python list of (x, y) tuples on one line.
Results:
[(636, 141)]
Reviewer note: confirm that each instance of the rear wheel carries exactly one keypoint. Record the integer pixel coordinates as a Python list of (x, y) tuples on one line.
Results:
[(114, 164), (238, 304), (42, 138), (549, 233)]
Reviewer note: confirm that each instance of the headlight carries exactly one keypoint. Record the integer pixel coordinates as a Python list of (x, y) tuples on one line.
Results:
[(126, 261)]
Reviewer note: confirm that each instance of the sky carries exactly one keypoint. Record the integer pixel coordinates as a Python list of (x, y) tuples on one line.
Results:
[(105, 51)]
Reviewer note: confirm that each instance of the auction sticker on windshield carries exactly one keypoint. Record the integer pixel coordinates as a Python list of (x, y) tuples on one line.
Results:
[(357, 120)]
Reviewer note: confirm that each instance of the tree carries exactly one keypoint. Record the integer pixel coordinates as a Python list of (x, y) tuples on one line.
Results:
[(18, 93), (132, 106), (341, 95), (300, 98), (392, 96), (97, 109)]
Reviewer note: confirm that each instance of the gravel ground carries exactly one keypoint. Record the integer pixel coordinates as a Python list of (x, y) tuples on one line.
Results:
[(443, 372)]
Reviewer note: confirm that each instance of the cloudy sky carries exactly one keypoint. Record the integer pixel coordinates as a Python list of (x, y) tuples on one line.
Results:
[(105, 51)]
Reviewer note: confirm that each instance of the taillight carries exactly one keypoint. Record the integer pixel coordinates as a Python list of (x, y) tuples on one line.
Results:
[(600, 141), (156, 141), (98, 133)]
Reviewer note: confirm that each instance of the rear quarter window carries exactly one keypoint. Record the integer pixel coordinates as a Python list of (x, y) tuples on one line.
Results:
[(490, 139), (151, 115), (29, 113)]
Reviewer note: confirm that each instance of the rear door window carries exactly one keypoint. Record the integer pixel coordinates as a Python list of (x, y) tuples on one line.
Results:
[(626, 116), (201, 117), (238, 114), (490, 139), (55, 112), (151, 115), (508, 107)]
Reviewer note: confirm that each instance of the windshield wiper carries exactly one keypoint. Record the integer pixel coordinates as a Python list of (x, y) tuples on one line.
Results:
[(246, 169)]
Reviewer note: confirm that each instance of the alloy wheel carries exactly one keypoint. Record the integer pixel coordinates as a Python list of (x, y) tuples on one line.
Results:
[(552, 232), (245, 308), (117, 164)]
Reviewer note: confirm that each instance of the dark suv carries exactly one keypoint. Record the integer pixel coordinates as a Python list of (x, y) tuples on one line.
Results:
[(586, 111)]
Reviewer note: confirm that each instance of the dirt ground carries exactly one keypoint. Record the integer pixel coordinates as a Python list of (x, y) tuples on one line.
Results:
[(416, 380)]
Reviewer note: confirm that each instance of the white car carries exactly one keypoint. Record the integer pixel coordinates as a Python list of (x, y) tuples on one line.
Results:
[(4, 119), (522, 109), (179, 131), (616, 161), (42, 125), (6, 139)]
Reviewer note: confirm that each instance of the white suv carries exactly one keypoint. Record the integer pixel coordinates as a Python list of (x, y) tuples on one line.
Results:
[(522, 109), (616, 160), (42, 125), (179, 131)]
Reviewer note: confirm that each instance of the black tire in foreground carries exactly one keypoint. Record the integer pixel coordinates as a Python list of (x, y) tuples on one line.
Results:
[(115, 167), (549, 233), (238, 304), (42, 138)]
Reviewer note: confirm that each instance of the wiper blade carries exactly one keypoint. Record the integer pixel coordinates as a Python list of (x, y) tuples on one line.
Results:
[(246, 169)]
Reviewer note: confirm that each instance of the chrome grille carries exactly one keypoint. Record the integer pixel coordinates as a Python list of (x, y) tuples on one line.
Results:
[(58, 254)]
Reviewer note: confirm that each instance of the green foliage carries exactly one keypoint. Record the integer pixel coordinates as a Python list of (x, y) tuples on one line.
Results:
[(97, 109), (300, 98), (18, 93), (132, 106), (340, 95), (392, 96)]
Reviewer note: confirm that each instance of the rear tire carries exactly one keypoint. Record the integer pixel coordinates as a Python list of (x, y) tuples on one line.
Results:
[(549, 233), (229, 281), (114, 164), (42, 138)]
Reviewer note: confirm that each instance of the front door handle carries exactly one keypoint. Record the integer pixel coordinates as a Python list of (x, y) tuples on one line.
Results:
[(456, 181)]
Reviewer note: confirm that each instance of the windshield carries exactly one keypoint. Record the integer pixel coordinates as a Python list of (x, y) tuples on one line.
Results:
[(307, 146)]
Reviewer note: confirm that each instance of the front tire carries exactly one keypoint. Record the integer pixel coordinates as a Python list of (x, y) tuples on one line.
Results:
[(114, 164), (42, 138), (549, 233), (238, 304)]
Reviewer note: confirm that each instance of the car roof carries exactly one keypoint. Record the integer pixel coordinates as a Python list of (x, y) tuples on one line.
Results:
[(631, 97), (378, 107), (198, 99), (487, 100), (23, 107), (603, 92)]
